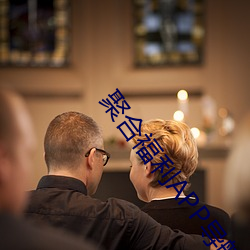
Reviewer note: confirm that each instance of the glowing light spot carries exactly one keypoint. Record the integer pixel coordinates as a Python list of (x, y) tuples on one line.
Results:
[(195, 132), (182, 95), (178, 116)]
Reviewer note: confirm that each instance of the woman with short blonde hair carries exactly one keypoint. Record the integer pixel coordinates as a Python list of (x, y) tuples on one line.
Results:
[(177, 142), (170, 142)]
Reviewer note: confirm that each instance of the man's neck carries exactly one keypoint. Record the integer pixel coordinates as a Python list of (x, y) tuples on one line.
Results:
[(66, 173)]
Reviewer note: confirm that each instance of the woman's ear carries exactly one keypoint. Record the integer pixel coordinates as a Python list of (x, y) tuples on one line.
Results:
[(148, 169)]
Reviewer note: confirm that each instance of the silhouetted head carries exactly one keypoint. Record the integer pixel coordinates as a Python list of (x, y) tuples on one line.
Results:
[(16, 148)]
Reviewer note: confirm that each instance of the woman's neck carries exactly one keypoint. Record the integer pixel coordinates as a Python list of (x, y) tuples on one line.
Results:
[(161, 192)]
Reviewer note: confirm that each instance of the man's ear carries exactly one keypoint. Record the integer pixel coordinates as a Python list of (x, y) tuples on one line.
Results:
[(48, 168), (91, 159)]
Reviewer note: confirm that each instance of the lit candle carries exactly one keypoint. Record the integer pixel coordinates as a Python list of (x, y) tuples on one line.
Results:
[(182, 97), (199, 136), (195, 132), (178, 116)]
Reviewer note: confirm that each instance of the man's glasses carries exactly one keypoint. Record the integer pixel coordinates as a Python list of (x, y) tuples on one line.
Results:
[(105, 155)]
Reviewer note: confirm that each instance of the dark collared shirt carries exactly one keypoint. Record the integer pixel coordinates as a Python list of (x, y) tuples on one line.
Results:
[(115, 224), (176, 216), (17, 234)]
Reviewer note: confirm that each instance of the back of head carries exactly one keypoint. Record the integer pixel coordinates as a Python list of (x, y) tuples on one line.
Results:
[(8, 129), (177, 142), (237, 177), (16, 149), (68, 137)]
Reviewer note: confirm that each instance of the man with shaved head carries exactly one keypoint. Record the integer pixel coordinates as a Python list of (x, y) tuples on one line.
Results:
[(16, 148), (75, 157)]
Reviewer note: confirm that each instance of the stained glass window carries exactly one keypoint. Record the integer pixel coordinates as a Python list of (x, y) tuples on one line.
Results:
[(168, 32)]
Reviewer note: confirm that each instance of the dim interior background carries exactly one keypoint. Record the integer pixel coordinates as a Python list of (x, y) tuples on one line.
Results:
[(101, 60)]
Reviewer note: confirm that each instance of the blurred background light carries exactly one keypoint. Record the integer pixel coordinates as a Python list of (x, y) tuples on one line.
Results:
[(195, 132), (178, 116), (182, 95)]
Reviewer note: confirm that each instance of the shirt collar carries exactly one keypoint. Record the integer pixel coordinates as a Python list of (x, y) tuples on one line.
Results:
[(62, 182), (167, 198), (172, 197)]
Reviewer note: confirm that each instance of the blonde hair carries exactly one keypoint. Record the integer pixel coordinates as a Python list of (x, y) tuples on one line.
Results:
[(177, 142), (237, 176)]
